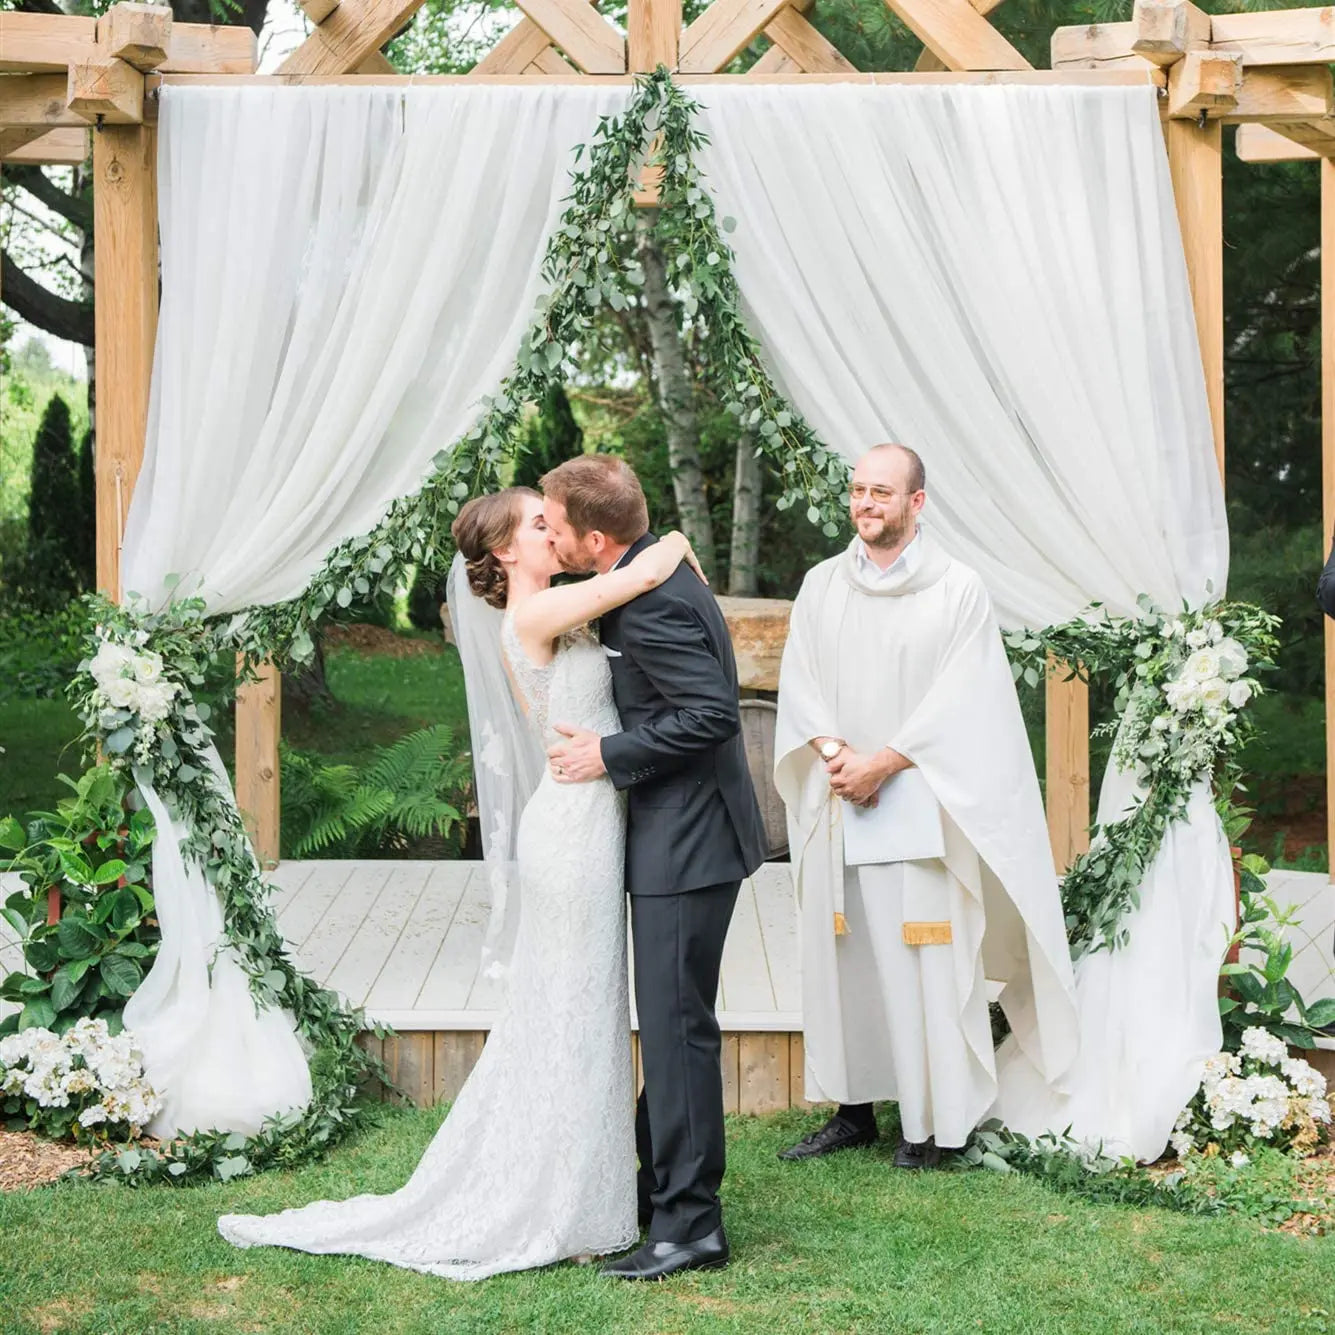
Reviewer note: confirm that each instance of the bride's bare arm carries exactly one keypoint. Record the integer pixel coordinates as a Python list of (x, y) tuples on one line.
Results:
[(542, 617)]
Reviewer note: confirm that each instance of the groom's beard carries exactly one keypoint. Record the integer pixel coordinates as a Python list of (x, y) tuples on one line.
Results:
[(577, 564)]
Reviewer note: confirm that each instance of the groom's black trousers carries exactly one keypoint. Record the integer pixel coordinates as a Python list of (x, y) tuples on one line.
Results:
[(678, 943)]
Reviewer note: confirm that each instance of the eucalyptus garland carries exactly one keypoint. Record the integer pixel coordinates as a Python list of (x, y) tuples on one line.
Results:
[(1185, 682)]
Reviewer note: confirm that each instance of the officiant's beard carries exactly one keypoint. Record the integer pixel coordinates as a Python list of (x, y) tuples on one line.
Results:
[(885, 531)]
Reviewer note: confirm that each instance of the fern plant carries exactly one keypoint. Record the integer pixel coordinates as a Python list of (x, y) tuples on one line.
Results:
[(410, 790)]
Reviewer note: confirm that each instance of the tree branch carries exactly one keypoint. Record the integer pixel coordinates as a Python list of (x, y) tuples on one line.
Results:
[(73, 208), (72, 320)]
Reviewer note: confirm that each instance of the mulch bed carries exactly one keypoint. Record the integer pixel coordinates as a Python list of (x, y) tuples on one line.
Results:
[(378, 640), (27, 1160)]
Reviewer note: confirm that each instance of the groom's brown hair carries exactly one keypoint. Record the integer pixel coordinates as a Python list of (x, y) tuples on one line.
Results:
[(599, 491)]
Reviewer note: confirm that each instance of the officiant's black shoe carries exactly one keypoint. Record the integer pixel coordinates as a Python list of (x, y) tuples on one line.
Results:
[(658, 1260), (837, 1134), (925, 1154)]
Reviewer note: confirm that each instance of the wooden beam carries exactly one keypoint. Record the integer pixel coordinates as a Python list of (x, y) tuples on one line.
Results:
[(581, 32), (1096, 46), (351, 33), (653, 34), (724, 29), (1167, 29), (1328, 466), (1277, 36), (125, 315), (807, 47), (1314, 137), (318, 10), (1266, 143), (36, 101), (775, 60), (50, 43), (48, 148), (376, 63), (138, 34), (1204, 82), (549, 61), (515, 52), (958, 35), (14, 141), (109, 92), (1283, 93), (1148, 76), (259, 712), (1066, 711), (928, 60), (1195, 159)]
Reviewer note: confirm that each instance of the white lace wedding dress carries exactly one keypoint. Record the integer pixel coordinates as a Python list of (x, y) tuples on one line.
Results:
[(536, 1161)]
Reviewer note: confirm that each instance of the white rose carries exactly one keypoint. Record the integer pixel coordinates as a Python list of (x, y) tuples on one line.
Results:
[(1215, 631), (154, 702), (148, 668), (1214, 693), (110, 661), (1202, 665), (1232, 658), (1239, 693), (122, 692), (1197, 639), (1183, 696)]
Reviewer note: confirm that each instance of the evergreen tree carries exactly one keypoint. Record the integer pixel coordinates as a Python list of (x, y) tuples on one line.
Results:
[(55, 510), (552, 437), (85, 534)]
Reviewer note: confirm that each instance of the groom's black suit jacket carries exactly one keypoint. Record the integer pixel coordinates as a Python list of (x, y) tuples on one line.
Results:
[(694, 821)]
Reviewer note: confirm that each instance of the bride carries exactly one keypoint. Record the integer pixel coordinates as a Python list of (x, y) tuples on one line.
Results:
[(536, 1161)]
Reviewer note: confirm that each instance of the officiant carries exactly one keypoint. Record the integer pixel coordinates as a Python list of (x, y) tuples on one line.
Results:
[(920, 852)]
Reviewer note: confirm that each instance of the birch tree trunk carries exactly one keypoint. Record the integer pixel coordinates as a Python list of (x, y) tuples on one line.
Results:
[(744, 559), (676, 401)]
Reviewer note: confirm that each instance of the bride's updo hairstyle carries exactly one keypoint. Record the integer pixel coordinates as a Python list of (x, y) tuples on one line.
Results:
[(484, 526)]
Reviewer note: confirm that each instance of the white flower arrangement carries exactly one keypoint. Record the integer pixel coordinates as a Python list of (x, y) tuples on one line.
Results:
[(131, 692), (1257, 1095), (86, 1082)]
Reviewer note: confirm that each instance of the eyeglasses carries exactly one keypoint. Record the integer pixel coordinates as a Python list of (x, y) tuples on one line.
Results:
[(881, 495)]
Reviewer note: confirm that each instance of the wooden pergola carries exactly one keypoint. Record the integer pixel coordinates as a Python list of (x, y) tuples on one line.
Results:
[(1266, 72)]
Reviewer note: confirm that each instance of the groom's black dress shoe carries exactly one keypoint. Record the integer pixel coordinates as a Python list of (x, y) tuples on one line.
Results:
[(658, 1260), (837, 1134)]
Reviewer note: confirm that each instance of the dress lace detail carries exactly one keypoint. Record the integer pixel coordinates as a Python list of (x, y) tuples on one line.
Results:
[(536, 1161)]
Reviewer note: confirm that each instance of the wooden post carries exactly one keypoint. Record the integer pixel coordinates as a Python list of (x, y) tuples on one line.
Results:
[(125, 320), (653, 30), (1328, 464), (1196, 161), (258, 724), (1067, 795)]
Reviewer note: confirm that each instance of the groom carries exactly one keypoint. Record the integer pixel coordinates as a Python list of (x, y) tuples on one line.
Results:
[(694, 832)]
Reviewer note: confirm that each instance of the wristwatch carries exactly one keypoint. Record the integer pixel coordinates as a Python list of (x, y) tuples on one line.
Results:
[(831, 748)]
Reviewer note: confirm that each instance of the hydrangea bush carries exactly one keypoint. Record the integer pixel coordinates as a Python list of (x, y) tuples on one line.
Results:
[(1258, 1096), (86, 1083)]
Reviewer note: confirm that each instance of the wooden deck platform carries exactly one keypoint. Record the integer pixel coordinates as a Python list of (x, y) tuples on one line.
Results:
[(403, 940)]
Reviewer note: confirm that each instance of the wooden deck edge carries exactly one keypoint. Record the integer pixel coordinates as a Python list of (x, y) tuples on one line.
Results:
[(428, 1021), (762, 1069)]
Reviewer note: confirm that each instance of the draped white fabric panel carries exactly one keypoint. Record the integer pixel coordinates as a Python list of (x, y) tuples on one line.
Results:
[(346, 273), (993, 275)]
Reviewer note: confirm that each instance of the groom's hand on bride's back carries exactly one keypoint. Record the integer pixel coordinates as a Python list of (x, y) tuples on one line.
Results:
[(578, 759)]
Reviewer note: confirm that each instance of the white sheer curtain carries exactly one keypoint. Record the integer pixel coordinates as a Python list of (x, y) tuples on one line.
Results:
[(346, 272), (995, 277)]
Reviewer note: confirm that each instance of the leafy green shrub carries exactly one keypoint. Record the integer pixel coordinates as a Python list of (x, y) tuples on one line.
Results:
[(40, 650), (93, 852), (411, 790)]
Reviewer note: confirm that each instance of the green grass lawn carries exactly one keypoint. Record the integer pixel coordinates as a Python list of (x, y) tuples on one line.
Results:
[(848, 1245)]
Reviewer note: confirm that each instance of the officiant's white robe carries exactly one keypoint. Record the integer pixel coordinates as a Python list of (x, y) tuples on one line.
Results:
[(913, 659)]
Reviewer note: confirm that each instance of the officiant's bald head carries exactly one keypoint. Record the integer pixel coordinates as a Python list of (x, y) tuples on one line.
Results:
[(885, 495)]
